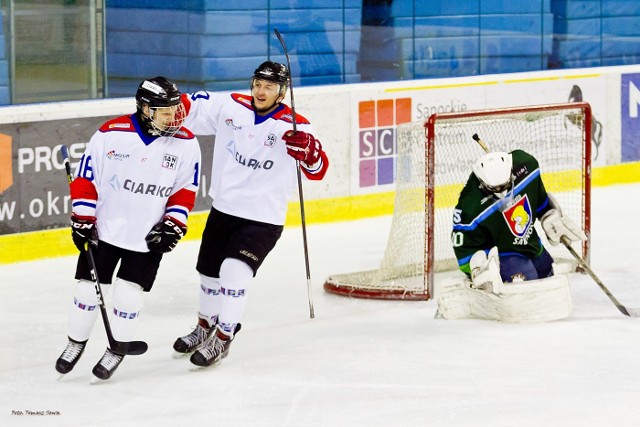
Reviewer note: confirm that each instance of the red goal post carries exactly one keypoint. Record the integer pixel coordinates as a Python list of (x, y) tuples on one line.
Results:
[(434, 160)]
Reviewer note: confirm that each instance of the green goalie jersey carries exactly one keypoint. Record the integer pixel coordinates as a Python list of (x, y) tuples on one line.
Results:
[(481, 220)]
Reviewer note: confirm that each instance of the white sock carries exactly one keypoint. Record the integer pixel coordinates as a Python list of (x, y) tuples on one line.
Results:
[(235, 277), (127, 303), (83, 311), (209, 297)]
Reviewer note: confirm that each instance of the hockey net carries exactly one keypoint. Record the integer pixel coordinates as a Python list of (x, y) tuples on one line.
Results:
[(434, 160)]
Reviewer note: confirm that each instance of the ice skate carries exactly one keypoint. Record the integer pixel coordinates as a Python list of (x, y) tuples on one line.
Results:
[(70, 356), (189, 343), (105, 368), (214, 349)]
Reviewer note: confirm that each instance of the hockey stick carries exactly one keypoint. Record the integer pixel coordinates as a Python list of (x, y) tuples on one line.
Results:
[(624, 310), (133, 348), (482, 144), (301, 196)]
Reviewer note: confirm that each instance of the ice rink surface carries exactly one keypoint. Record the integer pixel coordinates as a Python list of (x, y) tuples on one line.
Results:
[(358, 363)]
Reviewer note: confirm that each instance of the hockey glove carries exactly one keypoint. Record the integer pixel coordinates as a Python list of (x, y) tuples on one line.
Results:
[(556, 225), (485, 271), (83, 230), (303, 146), (165, 235)]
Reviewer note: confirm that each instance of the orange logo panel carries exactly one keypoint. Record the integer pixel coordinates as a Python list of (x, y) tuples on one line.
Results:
[(6, 169)]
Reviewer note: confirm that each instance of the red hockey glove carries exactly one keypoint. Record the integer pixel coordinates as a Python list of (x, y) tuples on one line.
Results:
[(165, 235), (302, 146), (83, 230)]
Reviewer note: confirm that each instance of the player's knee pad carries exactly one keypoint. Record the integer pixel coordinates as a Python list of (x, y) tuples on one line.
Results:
[(85, 295), (209, 305), (235, 274), (127, 297), (517, 268)]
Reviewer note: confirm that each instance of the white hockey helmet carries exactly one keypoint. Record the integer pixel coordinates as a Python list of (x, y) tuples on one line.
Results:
[(494, 172)]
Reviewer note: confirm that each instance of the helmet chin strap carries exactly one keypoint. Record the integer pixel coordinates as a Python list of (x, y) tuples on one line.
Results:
[(145, 124)]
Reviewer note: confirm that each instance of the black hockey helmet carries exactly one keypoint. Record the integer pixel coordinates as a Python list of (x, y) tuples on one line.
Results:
[(273, 72), (157, 92), (166, 113)]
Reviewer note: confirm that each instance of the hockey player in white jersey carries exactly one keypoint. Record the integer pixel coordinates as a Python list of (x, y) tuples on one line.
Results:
[(133, 190), (253, 175)]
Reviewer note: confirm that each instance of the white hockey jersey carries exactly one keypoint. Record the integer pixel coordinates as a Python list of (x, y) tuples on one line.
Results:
[(252, 175), (129, 181)]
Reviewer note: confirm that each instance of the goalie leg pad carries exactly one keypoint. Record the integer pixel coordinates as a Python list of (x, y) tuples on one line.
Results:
[(540, 300), (453, 301)]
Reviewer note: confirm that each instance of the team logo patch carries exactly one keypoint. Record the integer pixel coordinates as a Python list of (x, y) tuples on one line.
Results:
[(170, 161), (519, 217), (229, 122), (113, 155), (271, 141)]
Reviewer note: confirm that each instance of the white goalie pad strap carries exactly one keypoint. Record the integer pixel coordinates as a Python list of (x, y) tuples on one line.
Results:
[(530, 301)]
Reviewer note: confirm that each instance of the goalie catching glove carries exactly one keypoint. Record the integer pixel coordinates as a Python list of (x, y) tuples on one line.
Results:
[(485, 270), (83, 230), (165, 235), (556, 225), (303, 147)]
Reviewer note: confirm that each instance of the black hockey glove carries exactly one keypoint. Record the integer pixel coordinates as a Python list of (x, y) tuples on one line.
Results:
[(165, 235), (83, 230)]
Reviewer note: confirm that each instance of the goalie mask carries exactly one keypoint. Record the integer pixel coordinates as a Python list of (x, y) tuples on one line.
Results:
[(159, 107), (494, 172)]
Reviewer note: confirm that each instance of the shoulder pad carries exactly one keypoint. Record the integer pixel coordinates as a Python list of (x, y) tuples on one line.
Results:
[(244, 100), (184, 133), (286, 115), (122, 124)]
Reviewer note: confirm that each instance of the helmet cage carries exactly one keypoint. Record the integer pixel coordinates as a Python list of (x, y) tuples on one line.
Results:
[(158, 101), (165, 121)]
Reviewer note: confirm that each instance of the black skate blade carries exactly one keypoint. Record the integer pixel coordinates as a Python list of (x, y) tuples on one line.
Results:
[(133, 348)]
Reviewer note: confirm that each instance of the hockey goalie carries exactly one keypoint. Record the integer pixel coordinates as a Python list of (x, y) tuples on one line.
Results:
[(508, 273)]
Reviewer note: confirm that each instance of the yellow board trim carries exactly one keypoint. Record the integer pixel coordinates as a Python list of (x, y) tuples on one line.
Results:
[(54, 243)]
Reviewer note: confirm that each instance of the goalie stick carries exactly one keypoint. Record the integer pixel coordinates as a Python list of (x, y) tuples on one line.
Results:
[(301, 196), (624, 310), (133, 348)]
